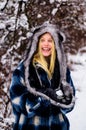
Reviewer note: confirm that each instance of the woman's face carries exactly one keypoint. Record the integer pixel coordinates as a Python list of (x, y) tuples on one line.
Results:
[(46, 44)]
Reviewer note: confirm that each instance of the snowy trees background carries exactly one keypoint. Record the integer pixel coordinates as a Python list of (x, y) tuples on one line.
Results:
[(17, 17)]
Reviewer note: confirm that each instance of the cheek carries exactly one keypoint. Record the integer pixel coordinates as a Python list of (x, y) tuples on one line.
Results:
[(51, 46), (42, 44)]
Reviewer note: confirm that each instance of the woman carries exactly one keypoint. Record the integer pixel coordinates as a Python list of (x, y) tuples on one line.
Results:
[(42, 90)]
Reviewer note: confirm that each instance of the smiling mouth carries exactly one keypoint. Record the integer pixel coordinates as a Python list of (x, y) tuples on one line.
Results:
[(46, 49)]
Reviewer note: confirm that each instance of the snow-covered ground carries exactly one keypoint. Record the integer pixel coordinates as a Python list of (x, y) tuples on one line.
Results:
[(77, 117)]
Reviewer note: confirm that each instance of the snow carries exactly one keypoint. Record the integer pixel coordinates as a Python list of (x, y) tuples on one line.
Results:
[(39, 16), (23, 21), (54, 11), (2, 26), (77, 116), (51, 1), (2, 4)]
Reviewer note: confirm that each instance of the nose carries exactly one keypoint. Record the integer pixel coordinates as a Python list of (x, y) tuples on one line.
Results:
[(46, 43)]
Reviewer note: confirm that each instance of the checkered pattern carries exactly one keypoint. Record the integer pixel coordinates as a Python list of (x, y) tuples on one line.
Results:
[(46, 118)]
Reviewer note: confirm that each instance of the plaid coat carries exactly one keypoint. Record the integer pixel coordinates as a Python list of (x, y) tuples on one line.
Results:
[(45, 117), (24, 97)]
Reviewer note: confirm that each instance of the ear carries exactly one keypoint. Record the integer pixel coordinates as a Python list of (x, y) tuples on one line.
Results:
[(61, 37)]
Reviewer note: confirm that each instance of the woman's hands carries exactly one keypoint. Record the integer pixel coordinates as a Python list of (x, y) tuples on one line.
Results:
[(64, 95), (67, 91), (51, 93)]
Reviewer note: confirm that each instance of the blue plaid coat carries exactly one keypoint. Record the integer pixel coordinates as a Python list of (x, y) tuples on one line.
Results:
[(45, 117)]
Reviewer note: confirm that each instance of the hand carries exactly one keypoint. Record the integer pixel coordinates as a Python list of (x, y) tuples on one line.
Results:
[(67, 91), (51, 93)]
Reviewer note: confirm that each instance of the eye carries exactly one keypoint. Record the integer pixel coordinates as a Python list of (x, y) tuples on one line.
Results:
[(42, 40), (50, 40)]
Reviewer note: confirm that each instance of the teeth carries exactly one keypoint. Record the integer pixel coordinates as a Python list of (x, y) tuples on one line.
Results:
[(46, 49)]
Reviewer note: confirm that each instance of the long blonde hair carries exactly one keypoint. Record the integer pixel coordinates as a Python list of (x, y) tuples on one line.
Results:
[(39, 58)]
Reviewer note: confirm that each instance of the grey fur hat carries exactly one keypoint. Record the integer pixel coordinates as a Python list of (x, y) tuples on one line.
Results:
[(59, 39)]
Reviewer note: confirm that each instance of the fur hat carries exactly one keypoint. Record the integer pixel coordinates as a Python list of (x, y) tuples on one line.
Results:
[(58, 37)]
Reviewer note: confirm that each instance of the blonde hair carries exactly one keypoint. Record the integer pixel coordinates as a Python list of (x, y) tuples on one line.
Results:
[(39, 58)]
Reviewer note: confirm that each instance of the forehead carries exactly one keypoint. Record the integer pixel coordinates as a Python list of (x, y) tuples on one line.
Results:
[(48, 35)]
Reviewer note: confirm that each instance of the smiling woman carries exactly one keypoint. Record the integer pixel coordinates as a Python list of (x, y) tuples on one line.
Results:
[(42, 89)]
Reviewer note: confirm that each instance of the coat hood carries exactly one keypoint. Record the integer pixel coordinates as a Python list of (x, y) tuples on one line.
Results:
[(59, 39)]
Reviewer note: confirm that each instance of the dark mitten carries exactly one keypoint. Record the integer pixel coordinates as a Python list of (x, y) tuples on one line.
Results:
[(51, 93), (67, 91)]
